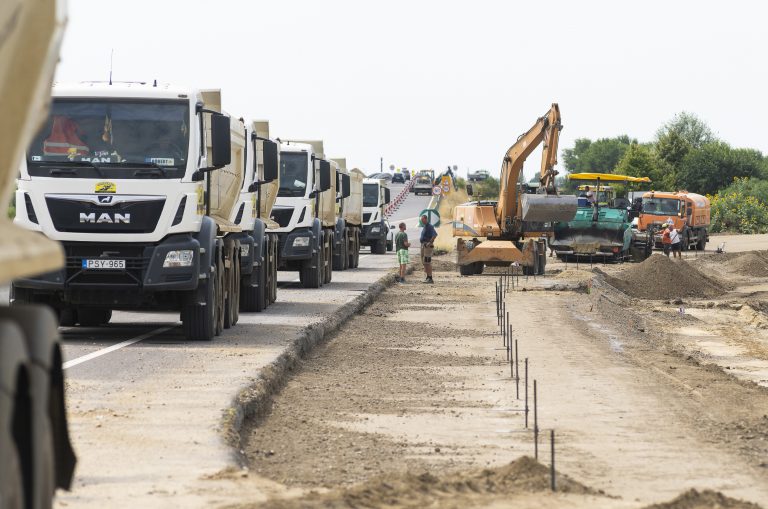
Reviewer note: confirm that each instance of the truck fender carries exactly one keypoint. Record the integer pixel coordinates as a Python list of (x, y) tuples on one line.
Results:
[(317, 233), (208, 245), (259, 242)]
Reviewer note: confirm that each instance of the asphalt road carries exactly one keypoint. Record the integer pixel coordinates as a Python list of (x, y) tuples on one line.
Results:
[(145, 405)]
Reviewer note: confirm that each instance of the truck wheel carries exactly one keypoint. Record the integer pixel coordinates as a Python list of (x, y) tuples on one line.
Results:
[(254, 298), (328, 262), (479, 266), (341, 255), (701, 245), (390, 245), (199, 320), (233, 296), (272, 284), (219, 288), (88, 317), (312, 270), (467, 270), (378, 247), (345, 251), (67, 317)]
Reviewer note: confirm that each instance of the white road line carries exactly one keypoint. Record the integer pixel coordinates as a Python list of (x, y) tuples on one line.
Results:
[(117, 346)]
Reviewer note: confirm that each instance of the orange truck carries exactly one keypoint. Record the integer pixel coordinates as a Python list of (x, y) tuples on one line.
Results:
[(688, 212)]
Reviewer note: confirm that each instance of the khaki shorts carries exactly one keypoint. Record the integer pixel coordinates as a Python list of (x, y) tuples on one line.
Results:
[(426, 253)]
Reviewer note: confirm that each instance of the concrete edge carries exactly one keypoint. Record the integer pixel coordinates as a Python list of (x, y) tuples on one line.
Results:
[(255, 400)]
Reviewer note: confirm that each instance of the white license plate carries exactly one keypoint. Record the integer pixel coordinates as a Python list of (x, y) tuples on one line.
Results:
[(103, 264)]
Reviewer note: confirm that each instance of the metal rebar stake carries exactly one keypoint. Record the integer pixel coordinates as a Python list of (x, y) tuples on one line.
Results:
[(497, 302), (506, 330), (535, 424), (552, 459), (517, 373), (526, 393), (509, 348), (501, 324)]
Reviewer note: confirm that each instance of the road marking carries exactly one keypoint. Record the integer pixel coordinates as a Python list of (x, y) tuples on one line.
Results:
[(117, 346)]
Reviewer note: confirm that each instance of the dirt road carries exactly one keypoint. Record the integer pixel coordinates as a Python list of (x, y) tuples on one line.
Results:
[(420, 382)]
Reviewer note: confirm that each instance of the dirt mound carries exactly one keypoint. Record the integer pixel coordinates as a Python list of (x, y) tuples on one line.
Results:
[(706, 499), (750, 264), (659, 277), (411, 490)]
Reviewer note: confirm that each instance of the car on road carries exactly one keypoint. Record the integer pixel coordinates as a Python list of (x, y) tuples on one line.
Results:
[(398, 177), (407, 175)]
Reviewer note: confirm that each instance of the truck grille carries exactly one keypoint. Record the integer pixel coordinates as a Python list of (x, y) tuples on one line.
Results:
[(282, 216), (122, 217)]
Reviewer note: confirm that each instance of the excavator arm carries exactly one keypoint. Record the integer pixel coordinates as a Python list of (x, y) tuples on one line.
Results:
[(547, 130)]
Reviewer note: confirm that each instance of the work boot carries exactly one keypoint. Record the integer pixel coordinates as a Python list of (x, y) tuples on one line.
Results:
[(429, 280)]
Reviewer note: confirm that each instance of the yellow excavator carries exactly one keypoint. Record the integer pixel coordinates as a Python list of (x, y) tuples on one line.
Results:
[(513, 230)]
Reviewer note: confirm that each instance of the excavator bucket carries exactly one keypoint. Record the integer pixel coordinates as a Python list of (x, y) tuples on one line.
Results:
[(548, 208)]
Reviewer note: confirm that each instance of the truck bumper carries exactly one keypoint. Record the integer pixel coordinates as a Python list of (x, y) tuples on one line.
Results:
[(143, 275), (296, 245), (369, 237)]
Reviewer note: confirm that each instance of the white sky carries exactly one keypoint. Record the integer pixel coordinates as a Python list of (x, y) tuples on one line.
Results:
[(430, 83)]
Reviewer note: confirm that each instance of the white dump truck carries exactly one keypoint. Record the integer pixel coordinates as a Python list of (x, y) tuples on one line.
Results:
[(376, 196), (305, 212), (138, 182), (258, 247), (349, 216), (36, 457)]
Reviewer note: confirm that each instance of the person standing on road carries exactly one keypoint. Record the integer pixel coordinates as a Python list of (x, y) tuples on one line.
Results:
[(428, 236), (675, 242), (401, 247), (666, 239)]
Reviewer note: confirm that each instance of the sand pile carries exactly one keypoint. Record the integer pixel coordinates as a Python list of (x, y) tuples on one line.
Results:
[(750, 264), (659, 277), (706, 499), (426, 490)]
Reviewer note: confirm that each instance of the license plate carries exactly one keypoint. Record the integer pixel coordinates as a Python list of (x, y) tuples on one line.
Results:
[(103, 264)]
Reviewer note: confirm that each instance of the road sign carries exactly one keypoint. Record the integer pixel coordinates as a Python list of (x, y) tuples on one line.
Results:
[(446, 184), (437, 190)]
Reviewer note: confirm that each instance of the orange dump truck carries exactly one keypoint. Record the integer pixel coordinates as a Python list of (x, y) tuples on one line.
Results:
[(689, 212)]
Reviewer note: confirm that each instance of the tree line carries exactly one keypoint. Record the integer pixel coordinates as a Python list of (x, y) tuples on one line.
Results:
[(685, 154)]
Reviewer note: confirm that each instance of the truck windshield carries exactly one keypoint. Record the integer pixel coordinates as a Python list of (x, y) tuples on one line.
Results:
[(370, 195), (661, 206), (293, 174), (94, 138)]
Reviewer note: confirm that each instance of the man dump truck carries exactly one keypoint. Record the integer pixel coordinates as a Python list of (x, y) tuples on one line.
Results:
[(603, 229), (422, 185), (376, 196), (36, 457), (258, 247), (497, 233), (305, 212), (688, 212), (138, 182), (349, 216)]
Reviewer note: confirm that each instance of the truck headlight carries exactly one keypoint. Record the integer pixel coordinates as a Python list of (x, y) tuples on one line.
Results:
[(301, 242), (375, 229), (245, 249), (180, 258)]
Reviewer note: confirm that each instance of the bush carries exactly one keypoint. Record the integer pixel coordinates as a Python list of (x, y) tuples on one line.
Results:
[(741, 207)]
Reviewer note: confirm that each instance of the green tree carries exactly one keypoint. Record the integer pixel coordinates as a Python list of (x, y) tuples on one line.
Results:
[(716, 165), (690, 128), (639, 161), (599, 156)]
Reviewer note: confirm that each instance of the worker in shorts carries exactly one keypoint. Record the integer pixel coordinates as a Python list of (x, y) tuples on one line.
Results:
[(401, 248), (666, 239), (428, 236), (676, 244)]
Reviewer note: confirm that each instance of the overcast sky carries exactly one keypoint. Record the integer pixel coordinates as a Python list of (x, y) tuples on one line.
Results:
[(430, 83)]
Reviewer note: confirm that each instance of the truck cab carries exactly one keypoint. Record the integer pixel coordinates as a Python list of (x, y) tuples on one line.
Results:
[(376, 196), (688, 212), (126, 177), (305, 213)]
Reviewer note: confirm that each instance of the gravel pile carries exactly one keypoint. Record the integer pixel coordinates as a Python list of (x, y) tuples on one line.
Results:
[(660, 277), (707, 499), (750, 264)]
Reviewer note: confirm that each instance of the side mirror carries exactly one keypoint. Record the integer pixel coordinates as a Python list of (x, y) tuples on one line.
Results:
[(346, 187), (469, 190), (271, 161), (386, 195), (324, 175), (221, 141)]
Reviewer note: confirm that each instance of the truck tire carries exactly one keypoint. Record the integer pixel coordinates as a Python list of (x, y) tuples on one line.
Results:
[(232, 304), (67, 317), (701, 245), (219, 288), (198, 321), (378, 247), (354, 256), (90, 317), (340, 256), (253, 298), (479, 266), (328, 262), (345, 251), (272, 284), (390, 245), (312, 273)]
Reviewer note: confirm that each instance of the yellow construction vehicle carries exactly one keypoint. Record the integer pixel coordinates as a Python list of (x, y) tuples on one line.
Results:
[(512, 230)]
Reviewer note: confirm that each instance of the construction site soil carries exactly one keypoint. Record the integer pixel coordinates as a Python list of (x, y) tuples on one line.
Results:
[(412, 403)]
